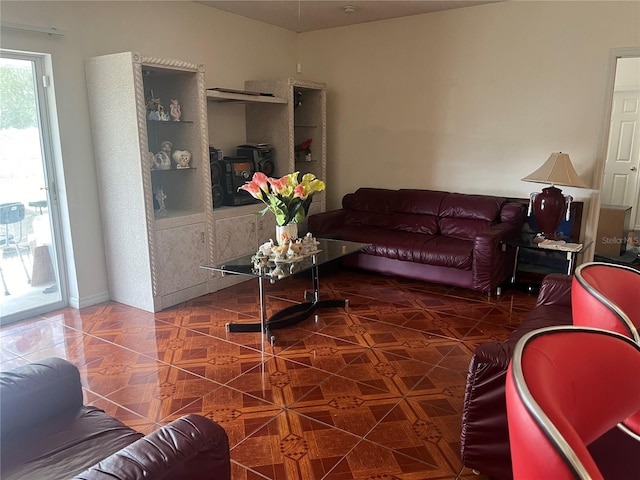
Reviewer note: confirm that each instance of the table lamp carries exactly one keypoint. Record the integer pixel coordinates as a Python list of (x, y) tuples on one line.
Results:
[(550, 204)]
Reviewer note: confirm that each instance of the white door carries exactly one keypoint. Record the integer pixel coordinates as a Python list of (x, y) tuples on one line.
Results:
[(32, 280), (620, 186)]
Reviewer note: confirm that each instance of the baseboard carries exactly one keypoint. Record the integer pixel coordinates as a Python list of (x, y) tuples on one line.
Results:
[(89, 300)]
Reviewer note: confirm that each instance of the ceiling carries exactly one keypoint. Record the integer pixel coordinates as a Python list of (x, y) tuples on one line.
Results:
[(308, 15)]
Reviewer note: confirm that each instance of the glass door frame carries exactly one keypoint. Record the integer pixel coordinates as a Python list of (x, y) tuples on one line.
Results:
[(49, 139)]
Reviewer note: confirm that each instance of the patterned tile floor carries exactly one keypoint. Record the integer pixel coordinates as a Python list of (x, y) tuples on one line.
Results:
[(371, 392)]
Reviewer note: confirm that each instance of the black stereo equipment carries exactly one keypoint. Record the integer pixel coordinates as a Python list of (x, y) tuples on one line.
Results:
[(236, 171), (217, 170), (261, 154)]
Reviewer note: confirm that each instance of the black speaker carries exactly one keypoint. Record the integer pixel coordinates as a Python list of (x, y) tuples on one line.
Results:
[(262, 156), (217, 176), (267, 167)]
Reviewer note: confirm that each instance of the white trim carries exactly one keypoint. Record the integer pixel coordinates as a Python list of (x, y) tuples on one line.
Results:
[(32, 28), (89, 300)]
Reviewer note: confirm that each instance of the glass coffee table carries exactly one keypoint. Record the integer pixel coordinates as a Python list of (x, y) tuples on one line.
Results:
[(267, 269)]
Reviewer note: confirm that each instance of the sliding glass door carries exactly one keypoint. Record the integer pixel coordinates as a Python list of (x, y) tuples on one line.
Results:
[(31, 277)]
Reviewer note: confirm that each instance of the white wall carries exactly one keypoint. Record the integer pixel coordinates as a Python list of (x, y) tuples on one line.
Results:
[(232, 48), (469, 100)]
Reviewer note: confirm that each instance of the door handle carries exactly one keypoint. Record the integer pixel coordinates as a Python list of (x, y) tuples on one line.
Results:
[(633, 169)]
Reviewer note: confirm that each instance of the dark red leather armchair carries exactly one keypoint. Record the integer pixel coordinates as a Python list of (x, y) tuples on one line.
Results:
[(484, 438), (47, 432)]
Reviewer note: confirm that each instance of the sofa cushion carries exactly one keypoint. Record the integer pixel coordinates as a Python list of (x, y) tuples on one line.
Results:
[(413, 247), (423, 202), (404, 246), (414, 223), (448, 252), (478, 207), (64, 446), (513, 214), (465, 216), (379, 200), (362, 234), (367, 219)]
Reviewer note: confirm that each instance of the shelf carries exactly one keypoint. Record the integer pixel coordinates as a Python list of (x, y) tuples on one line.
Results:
[(226, 97), (175, 217), (173, 169), (160, 122), (227, 211)]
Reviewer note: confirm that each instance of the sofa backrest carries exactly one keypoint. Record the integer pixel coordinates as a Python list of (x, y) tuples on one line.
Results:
[(369, 207), (416, 211), (34, 393), (465, 216), (422, 211)]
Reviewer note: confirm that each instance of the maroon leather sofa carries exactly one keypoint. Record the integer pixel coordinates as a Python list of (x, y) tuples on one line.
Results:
[(484, 439), (449, 238), (47, 432)]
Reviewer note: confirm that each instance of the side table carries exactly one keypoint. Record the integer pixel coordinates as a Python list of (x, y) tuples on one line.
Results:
[(530, 242)]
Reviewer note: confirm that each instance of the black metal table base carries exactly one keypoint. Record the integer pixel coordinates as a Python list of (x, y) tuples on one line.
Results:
[(288, 317)]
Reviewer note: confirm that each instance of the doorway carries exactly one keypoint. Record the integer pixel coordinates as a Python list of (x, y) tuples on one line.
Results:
[(621, 178), (619, 207), (32, 279)]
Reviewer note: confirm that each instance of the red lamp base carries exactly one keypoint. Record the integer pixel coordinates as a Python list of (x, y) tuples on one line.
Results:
[(548, 209)]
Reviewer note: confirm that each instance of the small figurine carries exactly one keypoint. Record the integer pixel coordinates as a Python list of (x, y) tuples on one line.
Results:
[(182, 158), (266, 248), (176, 113), (156, 110), (162, 159), (161, 197), (297, 100)]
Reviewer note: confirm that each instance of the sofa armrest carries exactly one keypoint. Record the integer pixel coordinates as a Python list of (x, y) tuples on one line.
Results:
[(484, 441), (491, 264), (33, 393), (326, 223), (189, 447), (555, 290)]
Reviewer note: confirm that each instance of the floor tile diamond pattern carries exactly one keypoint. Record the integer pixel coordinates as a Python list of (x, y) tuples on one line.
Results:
[(371, 392)]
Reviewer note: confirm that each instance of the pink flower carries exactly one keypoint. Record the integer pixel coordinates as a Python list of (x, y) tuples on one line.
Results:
[(261, 180), (253, 188), (299, 192), (279, 185), (285, 197)]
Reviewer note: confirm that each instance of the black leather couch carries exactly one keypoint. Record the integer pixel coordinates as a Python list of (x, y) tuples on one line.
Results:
[(47, 433)]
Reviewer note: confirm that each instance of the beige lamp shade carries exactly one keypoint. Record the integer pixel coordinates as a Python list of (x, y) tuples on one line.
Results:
[(557, 170)]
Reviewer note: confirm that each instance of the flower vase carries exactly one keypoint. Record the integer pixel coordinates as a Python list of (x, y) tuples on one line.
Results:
[(284, 232)]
